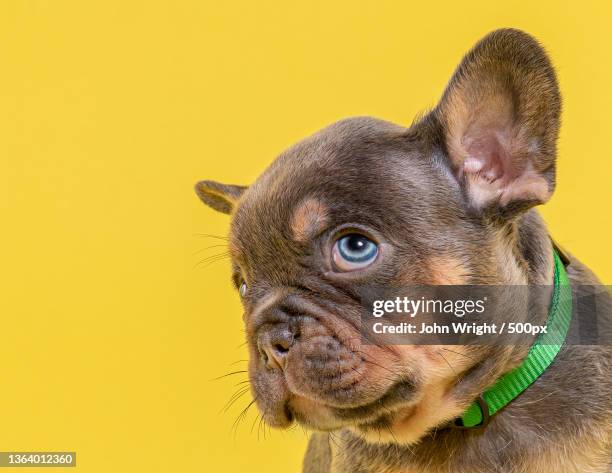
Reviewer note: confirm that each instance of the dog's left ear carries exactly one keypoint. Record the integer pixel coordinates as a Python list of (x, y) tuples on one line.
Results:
[(221, 197), (500, 120)]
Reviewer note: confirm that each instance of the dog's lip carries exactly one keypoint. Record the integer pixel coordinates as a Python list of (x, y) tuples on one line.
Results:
[(391, 406), (400, 394)]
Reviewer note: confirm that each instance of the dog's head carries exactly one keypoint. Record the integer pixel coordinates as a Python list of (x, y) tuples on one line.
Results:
[(368, 202)]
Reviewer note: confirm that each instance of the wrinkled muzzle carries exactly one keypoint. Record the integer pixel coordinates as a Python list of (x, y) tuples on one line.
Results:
[(310, 364)]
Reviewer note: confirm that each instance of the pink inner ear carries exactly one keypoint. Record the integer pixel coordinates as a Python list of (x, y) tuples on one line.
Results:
[(486, 156), (497, 164)]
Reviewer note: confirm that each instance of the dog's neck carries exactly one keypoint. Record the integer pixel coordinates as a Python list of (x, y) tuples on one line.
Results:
[(534, 249)]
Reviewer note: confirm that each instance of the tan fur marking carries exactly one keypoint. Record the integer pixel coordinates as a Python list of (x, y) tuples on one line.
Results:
[(435, 405), (446, 270), (309, 217)]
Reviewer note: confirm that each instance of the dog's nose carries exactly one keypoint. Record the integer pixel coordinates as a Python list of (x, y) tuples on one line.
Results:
[(274, 346)]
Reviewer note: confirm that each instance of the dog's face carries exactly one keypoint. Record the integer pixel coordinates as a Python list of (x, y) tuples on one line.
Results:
[(368, 202)]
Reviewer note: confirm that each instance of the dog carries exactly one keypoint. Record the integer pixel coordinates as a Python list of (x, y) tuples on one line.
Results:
[(449, 200)]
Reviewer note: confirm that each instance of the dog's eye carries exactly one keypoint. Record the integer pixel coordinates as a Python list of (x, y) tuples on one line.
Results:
[(354, 251), (243, 289)]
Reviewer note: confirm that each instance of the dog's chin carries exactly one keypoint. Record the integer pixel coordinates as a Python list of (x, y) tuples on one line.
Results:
[(391, 406), (314, 415), (402, 415)]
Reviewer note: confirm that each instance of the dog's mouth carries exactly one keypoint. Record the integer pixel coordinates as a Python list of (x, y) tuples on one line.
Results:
[(397, 403), (397, 395)]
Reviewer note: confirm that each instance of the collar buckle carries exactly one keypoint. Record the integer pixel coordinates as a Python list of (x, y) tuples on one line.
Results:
[(486, 417)]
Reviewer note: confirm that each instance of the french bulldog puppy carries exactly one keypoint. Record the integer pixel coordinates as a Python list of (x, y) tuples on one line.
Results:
[(449, 200)]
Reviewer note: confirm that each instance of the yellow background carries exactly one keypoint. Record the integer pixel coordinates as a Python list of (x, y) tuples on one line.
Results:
[(111, 110)]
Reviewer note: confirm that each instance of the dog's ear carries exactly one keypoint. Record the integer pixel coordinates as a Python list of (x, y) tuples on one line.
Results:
[(221, 197), (500, 121)]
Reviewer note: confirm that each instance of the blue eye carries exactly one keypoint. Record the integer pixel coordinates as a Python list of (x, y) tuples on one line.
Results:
[(354, 251)]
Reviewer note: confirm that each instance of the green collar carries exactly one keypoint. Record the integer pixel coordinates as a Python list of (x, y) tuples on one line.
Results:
[(541, 354)]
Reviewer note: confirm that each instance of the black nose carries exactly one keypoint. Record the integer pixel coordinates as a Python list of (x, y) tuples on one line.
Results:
[(274, 345)]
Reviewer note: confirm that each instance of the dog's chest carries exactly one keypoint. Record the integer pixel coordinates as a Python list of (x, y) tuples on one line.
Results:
[(557, 460)]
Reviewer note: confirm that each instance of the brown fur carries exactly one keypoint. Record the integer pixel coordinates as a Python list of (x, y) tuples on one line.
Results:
[(448, 200)]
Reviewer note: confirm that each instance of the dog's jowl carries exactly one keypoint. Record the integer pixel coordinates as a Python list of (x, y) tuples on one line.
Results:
[(448, 201)]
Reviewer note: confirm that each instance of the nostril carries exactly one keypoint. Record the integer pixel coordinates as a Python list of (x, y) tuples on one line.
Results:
[(281, 348), (274, 346)]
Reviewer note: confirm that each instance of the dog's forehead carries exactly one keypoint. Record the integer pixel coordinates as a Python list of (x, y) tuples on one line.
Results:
[(347, 169)]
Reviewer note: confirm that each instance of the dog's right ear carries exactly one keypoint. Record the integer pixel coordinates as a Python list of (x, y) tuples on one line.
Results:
[(500, 118), (220, 197)]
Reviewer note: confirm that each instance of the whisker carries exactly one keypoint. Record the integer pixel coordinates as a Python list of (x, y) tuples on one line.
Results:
[(459, 353), (391, 433), (241, 417), (208, 248), (366, 357), (228, 374), (259, 425), (204, 263), (237, 395), (444, 358), (253, 424), (238, 361), (209, 235), (216, 255)]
